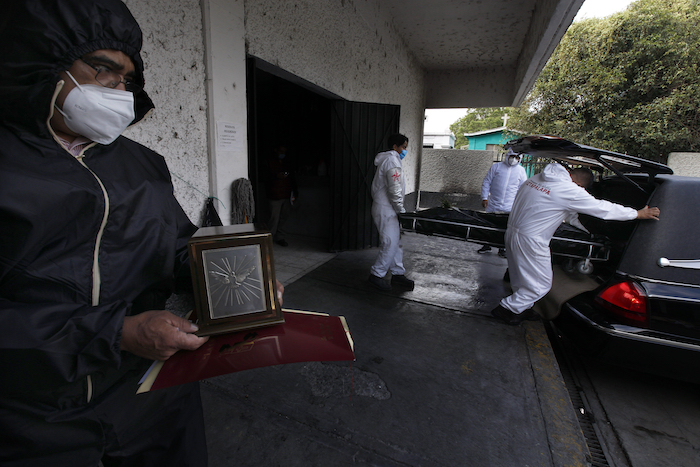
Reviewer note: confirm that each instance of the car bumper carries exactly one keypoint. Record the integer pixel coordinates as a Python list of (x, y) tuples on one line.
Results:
[(636, 348)]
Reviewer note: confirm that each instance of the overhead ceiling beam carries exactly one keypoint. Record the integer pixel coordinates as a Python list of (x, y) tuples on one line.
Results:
[(489, 87), (550, 21), (505, 86)]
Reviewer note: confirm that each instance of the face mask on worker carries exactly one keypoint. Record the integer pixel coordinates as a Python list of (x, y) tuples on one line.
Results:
[(98, 113), (512, 160), (402, 154)]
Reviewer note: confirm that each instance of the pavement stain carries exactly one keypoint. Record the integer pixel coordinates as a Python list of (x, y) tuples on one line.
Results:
[(328, 380), (466, 367)]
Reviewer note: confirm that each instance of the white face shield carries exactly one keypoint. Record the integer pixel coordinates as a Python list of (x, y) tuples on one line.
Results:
[(512, 157)]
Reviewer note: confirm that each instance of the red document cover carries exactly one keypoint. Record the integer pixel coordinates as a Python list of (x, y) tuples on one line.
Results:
[(303, 337)]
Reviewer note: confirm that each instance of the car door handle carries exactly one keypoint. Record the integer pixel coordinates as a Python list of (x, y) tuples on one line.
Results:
[(679, 263)]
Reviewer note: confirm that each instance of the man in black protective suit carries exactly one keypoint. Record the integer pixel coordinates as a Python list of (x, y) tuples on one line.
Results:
[(92, 241)]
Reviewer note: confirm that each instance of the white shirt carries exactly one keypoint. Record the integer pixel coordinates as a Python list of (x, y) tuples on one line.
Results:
[(501, 184), (76, 146)]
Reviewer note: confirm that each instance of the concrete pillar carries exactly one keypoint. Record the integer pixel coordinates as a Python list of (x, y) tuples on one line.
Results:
[(224, 40)]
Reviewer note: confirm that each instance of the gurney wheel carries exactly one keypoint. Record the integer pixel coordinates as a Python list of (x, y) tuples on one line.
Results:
[(584, 267)]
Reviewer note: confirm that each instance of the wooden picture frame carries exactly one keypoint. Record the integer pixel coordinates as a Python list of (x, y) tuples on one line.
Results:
[(234, 279)]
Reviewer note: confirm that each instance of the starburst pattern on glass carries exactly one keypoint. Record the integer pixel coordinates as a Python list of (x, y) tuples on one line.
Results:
[(234, 281)]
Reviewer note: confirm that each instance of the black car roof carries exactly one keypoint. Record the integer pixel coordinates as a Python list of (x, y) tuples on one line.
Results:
[(577, 154)]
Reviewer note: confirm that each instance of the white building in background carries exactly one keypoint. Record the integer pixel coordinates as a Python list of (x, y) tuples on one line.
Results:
[(439, 140), (230, 78)]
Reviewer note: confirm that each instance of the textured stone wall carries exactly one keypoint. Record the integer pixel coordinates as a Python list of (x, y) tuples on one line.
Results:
[(173, 54), (685, 163), (454, 170), (350, 48)]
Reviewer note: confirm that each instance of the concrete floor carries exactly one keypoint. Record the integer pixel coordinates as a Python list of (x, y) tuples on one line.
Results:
[(303, 255), (436, 382)]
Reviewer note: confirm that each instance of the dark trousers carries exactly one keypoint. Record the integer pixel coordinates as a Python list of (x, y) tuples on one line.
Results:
[(279, 213), (118, 428)]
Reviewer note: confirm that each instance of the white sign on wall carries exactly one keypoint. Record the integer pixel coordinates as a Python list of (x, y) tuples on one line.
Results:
[(226, 136)]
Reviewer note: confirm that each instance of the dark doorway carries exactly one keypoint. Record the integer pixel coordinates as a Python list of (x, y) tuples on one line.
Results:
[(282, 112), (332, 143)]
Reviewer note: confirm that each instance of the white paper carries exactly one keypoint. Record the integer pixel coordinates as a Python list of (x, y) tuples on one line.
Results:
[(226, 135)]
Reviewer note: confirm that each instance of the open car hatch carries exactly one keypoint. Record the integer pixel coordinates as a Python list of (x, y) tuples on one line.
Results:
[(595, 159)]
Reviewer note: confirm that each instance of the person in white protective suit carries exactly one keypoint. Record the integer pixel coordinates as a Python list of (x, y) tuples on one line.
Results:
[(543, 202), (499, 187), (388, 190)]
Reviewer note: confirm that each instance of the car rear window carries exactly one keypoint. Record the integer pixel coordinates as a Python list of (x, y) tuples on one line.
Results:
[(674, 236)]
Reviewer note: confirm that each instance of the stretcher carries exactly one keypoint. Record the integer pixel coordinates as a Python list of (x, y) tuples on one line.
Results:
[(579, 247)]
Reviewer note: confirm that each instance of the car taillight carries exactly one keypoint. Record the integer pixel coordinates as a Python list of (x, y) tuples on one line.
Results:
[(627, 301)]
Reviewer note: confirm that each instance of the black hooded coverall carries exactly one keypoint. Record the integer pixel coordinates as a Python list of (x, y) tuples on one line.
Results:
[(84, 242)]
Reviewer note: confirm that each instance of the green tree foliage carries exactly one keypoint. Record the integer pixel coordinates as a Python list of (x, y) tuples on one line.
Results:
[(628, 83), (479, 119)]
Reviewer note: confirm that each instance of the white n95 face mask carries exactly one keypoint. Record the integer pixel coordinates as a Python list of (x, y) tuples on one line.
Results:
[(98, 113), (513, 160)]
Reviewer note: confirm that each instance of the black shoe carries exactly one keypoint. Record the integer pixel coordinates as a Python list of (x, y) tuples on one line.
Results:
[(484, 249), (514, 319), (502, 252), (505, 315), (282, 242), (530, 315), (378, 282), (402, 281)]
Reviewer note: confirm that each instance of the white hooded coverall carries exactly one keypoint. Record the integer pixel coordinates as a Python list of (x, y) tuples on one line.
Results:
[(388, 190), (500, 185), (541, 205)]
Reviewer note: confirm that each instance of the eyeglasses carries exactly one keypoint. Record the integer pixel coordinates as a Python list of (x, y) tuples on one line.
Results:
[(112, 79)]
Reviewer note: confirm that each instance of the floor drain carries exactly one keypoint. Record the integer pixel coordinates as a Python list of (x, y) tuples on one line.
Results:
[(586, 417)]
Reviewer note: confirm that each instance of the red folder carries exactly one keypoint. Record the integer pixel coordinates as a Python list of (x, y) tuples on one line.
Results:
[(303, 337)]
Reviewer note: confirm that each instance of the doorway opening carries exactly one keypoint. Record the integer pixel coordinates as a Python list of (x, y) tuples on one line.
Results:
[(331, 143), (286, 113)]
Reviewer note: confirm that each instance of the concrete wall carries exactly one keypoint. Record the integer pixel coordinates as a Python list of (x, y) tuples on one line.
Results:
[(194, 54), (350, 48), (195, 51), (454, 170), (685, 163), (173, 53), (227, 115)]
